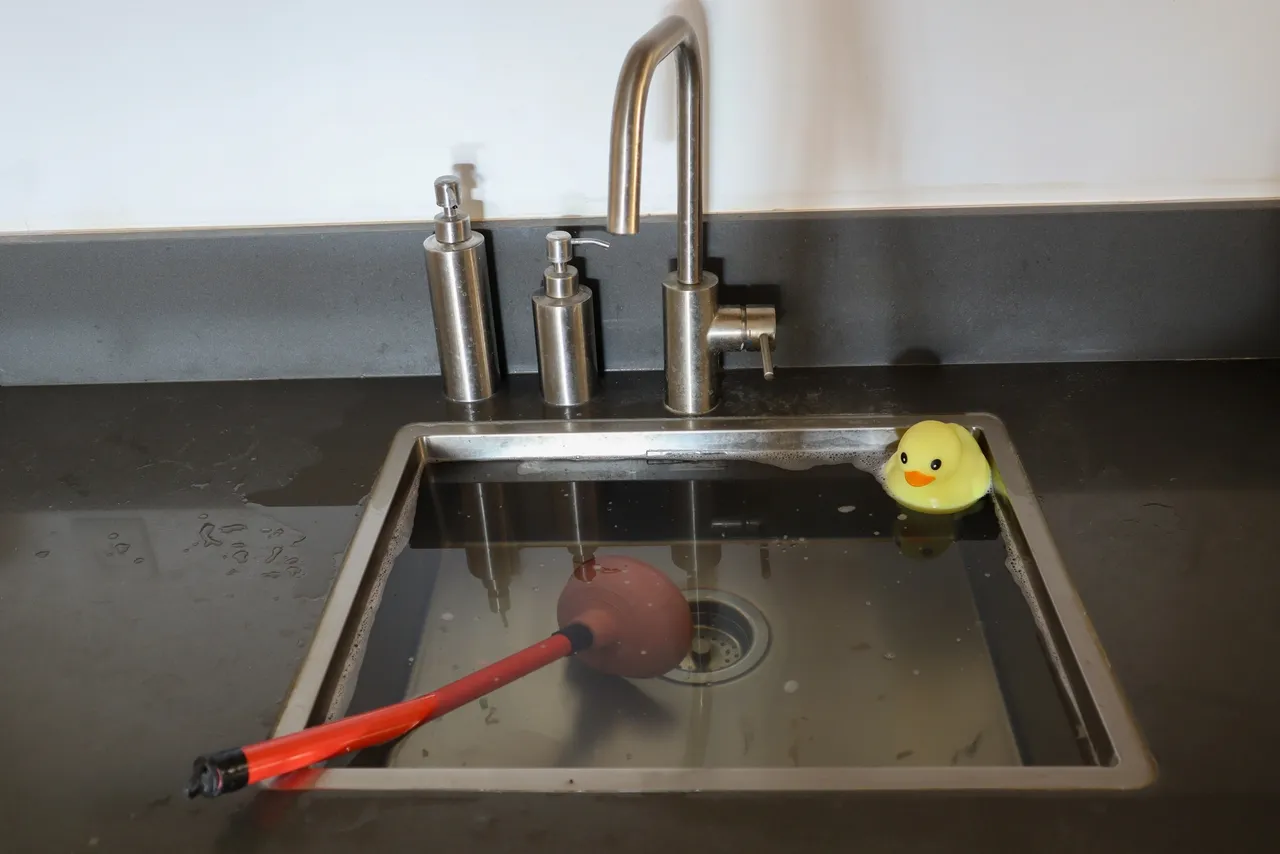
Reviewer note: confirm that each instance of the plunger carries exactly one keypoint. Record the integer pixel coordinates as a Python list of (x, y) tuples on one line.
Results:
[(619, 615)]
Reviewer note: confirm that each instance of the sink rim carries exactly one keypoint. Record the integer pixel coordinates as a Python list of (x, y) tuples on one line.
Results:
[(416, 445)]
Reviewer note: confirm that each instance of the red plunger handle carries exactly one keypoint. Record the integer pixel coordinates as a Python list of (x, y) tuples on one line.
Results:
[(229, 770)]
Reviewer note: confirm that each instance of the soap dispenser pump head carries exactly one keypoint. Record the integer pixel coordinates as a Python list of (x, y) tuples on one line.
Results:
[(451, 225), (447, 193), (562, 278)]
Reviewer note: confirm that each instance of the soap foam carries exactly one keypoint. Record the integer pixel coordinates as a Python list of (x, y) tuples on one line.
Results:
[(867, 460)]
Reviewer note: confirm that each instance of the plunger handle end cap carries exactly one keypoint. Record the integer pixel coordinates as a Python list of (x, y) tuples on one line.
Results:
[(218, 774)]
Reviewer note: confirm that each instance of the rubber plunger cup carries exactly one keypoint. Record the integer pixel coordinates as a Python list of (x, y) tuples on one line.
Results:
[(639, 619)]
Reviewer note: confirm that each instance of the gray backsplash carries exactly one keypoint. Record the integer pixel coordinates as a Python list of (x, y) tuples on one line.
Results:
[(853, 288)]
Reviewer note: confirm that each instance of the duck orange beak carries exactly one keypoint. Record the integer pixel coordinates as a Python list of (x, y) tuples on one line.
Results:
[(918, 478)]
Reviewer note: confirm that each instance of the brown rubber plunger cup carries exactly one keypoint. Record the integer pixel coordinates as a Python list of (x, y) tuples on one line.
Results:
[(639, 620), (618, 614)]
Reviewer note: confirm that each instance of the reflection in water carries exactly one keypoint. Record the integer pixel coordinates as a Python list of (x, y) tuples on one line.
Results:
[(490, 557), (923, 535), (874, 657)]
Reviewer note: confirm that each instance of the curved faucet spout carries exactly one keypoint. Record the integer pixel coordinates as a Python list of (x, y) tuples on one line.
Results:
[(671, 34)]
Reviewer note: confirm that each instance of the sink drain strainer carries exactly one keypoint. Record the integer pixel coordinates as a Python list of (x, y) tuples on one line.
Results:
[(730, 637)]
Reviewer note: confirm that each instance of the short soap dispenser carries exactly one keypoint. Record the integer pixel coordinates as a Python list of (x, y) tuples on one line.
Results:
[(564, 322)]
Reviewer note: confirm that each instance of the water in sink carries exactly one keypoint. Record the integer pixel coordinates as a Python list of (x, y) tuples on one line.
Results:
[(837, 630)]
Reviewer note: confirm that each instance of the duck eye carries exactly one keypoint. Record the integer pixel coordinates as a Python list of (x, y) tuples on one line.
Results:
[(935, 465), (904, 458)]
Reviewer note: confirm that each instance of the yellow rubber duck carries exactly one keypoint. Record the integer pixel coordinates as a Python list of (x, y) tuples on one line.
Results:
[(938, 468)]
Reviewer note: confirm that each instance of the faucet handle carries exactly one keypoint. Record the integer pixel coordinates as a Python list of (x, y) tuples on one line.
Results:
[(761, 322), (766, 355), (745, 327)]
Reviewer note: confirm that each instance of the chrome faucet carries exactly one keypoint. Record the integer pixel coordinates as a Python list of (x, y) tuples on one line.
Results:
[(697, 330)]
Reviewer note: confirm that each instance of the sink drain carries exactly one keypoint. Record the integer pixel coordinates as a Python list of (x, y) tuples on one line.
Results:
[(730, 637)]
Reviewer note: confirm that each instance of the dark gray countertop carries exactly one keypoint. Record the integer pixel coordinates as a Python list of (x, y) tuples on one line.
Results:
[(137, 633)]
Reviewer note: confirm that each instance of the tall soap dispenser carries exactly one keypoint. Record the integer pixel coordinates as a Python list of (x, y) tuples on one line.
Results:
[(461, 303), (564, 322)]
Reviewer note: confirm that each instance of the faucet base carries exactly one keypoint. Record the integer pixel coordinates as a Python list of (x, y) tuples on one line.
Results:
[(693, 367), (698, 332)]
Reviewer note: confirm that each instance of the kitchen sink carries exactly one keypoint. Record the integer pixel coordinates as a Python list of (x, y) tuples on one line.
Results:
[(842, 642)]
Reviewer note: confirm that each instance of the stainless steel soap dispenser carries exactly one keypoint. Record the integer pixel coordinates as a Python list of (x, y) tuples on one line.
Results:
[(461, 301), (564, 323)]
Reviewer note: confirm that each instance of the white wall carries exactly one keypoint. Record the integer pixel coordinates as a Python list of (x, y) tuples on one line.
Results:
[(157, 113)]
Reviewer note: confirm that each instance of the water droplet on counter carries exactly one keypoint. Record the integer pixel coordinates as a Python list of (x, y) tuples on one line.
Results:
[(275, 553), (138, 560), (889, 656), (241, 556), (233, 528), (204, 516), (121, 548), (846, 508), (43, 553), (207, 537), (915, 672), (902, 517), (791, 686), (113, 536), (447, 616)]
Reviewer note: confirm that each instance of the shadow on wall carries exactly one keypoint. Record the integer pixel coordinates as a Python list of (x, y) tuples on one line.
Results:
[(470, 181), (833, 128), (828, 114), (819, 95)]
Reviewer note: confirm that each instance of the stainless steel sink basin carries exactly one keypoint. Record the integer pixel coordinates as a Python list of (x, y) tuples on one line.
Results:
[(842, 643)]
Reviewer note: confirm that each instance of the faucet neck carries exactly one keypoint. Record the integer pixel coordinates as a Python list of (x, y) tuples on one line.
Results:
[(671, 34)]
